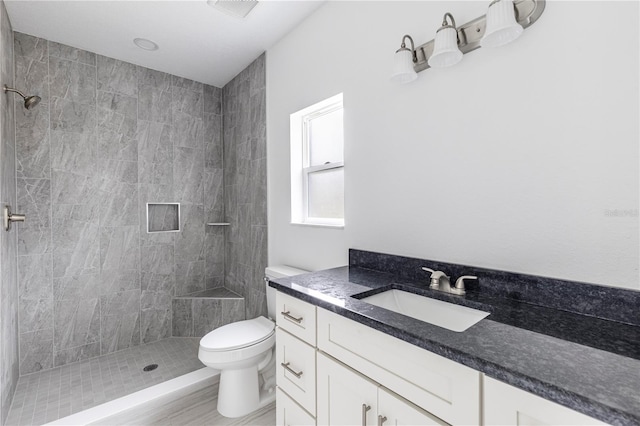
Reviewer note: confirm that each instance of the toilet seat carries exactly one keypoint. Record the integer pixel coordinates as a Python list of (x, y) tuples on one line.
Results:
[(238, 335)]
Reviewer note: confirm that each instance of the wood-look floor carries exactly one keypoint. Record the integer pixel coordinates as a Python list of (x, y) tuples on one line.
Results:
[(196, 408)]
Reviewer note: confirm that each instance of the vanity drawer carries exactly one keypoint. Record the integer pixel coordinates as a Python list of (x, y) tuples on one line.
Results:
[(289, 413), (296, 369), (446, 389), (297, 317)]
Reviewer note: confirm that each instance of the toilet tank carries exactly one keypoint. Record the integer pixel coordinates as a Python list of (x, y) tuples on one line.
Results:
[(273, 272)]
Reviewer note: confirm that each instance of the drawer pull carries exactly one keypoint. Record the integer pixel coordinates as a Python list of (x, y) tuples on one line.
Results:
[(365, 408), (290, 370), (288, 315), (381, 419)]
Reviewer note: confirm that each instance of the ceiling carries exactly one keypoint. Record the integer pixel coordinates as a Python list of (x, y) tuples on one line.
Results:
[(196, 41)]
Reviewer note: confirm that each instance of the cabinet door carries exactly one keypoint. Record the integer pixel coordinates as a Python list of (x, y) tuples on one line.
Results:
[(296, 369), (342, 393), (297, 317), (399, 412), (507, 405), (288, 413)]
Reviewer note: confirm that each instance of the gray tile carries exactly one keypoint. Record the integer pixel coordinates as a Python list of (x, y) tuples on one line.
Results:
[(74, 188), (32, 141), (188, 174), (182, 318), (214, 252), (71, 116), (34, 201), (209, 314), (120, 324), (153, 103), (112, 281), (30, 47), (157, 79), (73, 152), (213, 142), (189, 242), (189, 277), (79, 353), (72, 81), (185, 83), (212, 100), (34, 277), (156, 312), (35, 314), (157, 266), (34, 240), (155, 149), (71, 53), (187, 102), (74, 229), (117, 76), (119, 204), (188, 131), (150, 193), (119, 248), (76, 287), (214, 195), (214, 282), (36, 351), (76, 323), (117, 112)]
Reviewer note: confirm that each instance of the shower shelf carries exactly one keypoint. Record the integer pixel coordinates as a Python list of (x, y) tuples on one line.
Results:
[(218, 224)]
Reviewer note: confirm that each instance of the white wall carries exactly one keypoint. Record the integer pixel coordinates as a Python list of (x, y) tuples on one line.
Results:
[(509, 160)]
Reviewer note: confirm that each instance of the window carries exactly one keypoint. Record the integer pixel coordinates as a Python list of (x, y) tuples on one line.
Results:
[(317, 164)]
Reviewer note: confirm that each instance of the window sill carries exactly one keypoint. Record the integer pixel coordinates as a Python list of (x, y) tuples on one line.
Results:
[(318, 225)]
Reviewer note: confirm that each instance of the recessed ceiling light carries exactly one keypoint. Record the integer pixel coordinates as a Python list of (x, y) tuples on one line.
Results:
[(145, 44), (237, 8)]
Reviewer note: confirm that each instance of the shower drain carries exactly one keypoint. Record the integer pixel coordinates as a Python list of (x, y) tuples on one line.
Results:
[(150, 367)]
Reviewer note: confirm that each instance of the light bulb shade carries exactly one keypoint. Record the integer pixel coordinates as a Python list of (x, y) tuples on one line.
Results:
[(445, 50), (502, 27), (403, 71)]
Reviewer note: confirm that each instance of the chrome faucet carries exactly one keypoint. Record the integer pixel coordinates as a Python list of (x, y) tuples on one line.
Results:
[(441, 281)]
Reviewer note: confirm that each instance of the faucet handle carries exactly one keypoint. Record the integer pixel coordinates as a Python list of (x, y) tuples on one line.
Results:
[(424, 268), (460, 282)]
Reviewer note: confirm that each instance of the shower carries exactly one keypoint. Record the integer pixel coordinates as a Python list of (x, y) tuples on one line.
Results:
[(29, 101)]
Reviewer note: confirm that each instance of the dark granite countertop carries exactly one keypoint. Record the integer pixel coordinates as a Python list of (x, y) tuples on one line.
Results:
[(589, 364)]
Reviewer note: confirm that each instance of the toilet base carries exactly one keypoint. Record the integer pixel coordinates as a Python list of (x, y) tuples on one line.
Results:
[(240, 394)]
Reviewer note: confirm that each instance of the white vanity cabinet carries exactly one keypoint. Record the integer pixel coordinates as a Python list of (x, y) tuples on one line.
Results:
[(448, 390), (507, 405), (295, 361), (345, 397), (335, 371)]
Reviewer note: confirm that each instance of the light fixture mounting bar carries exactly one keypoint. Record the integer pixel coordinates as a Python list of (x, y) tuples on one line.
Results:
[(470, 34)]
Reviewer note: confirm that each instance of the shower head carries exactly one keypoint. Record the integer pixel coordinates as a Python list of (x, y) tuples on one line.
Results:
[(29, 101)]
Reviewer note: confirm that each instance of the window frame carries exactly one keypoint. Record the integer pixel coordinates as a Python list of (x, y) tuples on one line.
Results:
[(300, 143)]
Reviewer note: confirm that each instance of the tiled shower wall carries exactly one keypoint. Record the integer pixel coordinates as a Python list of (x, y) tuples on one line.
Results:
[(107, 138), (245, 177), (8, 242)]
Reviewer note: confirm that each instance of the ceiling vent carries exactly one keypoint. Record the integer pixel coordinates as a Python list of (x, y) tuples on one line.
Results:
[(236, 8)]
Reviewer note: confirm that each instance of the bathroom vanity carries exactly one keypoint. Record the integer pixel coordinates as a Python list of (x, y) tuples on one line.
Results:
[(342, 360)]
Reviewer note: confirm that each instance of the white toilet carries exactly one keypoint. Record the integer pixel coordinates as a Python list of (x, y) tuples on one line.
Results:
[(244, 353)]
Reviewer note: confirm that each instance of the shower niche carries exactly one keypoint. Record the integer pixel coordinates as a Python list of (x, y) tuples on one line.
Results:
[(163, 217)]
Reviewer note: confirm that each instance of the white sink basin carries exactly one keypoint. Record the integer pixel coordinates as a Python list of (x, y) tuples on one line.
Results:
[(436, 312)]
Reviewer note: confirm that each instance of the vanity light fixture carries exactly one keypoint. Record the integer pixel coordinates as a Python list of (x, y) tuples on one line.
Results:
[(504, 22), (445, 51), (502, 27), (403, 63)]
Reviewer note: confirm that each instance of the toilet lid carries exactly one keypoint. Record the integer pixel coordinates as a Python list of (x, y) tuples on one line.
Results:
[(238, 335)]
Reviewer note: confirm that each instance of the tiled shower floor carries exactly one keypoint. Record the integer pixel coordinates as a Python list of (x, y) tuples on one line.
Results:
[(52, 394)]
